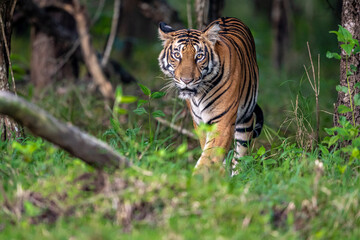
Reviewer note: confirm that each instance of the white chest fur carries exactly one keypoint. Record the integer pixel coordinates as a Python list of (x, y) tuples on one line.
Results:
[(200, 110)]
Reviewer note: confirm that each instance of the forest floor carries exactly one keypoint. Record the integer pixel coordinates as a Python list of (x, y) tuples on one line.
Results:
[(286, 188)]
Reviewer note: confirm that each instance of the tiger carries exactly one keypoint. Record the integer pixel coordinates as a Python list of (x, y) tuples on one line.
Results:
[(215, 71)]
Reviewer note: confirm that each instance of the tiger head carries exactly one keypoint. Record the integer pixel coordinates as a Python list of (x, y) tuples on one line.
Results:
[(189, 58)]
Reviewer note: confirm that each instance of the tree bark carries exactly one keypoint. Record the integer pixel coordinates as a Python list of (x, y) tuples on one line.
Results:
[(8, 128), (207, 11), (280, 30), (89, 149), (46, 49), (350, 19)]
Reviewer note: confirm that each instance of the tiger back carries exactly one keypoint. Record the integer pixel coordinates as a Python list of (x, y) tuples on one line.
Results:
[(216, 72)]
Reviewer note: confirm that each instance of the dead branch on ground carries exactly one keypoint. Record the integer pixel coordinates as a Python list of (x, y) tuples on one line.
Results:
[(176, 128), (86, 147)]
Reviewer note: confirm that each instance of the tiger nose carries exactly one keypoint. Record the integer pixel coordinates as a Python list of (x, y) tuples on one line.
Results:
[(186, 80)]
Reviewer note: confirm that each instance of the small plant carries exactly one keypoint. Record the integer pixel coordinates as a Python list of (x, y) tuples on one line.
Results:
[(346, 133), (144, 107), (120, 98), (28, 148), (350, 46), (344, 140)]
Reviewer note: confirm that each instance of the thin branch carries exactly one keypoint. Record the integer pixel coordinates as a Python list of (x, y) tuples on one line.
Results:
[(318, 74), (316, 88), (114, 26), (309, 79), (89, 55), (176, 128), (98, 12), (312, 66), (76, 43), (7, 52), (13, 8)]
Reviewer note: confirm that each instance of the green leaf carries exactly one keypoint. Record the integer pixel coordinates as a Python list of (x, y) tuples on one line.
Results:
[(356, 142), (140, 111), (353, 68), (355, 153), (357, 99), (141, 102), (128, 99), (118, 91), (356, 41), (261, 151), (340, 37), (333, 55), (344, 34), (324, 150), (121, 111), (357, 49), (349, 73), (342, 132), (329, 131), (342, 169), (357, 85), (157, 95), (333, 140), (30, 209), (353, 132), (270, 161), (343, 109), (341, 88), (182, 149), (348, 47), (343, 122), (158, 113), (145, 90)]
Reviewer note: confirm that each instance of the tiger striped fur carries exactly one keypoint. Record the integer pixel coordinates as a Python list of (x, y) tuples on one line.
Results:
[(216, 72)]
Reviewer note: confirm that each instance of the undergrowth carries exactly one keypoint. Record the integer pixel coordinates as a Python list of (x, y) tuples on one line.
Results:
[(287, 187)]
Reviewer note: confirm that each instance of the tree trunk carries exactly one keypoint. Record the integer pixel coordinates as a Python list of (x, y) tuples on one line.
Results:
[(350, 19), (8, 128), (207, 11), (280, 30), (47, 52)]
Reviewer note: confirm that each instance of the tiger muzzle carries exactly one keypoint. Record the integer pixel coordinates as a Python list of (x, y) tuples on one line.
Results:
[(186, 80)]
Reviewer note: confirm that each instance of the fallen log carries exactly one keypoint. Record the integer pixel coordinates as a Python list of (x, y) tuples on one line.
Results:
[(80, 144)]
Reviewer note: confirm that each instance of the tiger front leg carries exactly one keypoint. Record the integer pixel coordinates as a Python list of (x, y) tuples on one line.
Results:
[(216, 145)]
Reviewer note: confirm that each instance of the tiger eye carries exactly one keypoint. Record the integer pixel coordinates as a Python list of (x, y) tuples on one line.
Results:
[(199, 56), (177, 55)]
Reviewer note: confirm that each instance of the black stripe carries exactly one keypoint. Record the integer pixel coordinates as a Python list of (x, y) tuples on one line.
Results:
[(211, 121), (243, 130), (193, 101), (259, 121), (214, 81), (195, 114), (216, 98), (244, 120)]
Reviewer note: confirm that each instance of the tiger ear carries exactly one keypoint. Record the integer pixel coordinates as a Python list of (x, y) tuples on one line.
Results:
[(164, 31), (211, 33)]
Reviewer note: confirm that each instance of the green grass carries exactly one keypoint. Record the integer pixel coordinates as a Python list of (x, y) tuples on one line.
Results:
[(280, 192)]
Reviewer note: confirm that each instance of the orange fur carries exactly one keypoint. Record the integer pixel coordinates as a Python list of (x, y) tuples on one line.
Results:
[(215, 70)]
